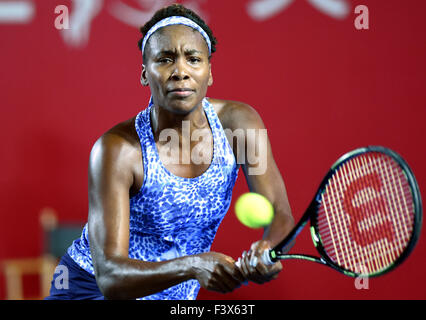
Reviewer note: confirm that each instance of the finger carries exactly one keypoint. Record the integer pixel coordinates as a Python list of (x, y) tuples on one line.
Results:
[(245, 262), (249, 258), (257, 250), (259, 272), (265, 269), (243, 273), (238, 263), (253, 274), (254, 246), (252, 261), (252, 257), (244, 268), (248, 270)]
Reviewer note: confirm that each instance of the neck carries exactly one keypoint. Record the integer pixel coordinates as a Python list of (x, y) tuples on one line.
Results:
[(162, 118)]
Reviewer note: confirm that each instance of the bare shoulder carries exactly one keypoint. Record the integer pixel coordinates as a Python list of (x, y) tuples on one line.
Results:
[(124, 132), (234, 114), (119, 145)]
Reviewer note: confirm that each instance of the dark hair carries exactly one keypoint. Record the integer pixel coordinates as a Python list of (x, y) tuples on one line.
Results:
[(176, 10)]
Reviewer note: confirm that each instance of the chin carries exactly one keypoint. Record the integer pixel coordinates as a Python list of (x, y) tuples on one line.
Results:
[(182, 106)]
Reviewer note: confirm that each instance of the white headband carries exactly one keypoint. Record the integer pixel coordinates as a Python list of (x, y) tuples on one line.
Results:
[(172, 21)]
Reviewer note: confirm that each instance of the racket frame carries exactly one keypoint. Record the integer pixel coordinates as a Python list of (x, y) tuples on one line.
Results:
[(279, 251)]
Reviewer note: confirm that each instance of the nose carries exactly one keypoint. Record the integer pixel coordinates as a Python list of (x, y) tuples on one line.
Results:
[(179, 72)]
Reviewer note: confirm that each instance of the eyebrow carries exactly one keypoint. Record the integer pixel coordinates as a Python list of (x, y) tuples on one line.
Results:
[(173, 52), (192, 51)]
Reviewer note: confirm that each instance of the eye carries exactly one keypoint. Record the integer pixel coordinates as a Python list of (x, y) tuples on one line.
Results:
[(194, 59), (165, 60)]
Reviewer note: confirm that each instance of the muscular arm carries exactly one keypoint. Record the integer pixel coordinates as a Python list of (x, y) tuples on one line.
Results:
[(259, 167), (263, 177), (117, 275)]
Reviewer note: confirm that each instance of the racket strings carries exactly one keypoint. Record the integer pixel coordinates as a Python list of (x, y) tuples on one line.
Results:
[(366, 215), (377, 250)]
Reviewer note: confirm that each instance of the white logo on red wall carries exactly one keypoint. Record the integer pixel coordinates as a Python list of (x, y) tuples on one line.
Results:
[(136, 12)]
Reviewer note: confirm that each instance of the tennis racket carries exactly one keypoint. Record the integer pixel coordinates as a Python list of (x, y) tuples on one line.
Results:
[(365, 218)]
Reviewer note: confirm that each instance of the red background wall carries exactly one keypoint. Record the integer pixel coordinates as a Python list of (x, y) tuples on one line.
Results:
[(322, 87)]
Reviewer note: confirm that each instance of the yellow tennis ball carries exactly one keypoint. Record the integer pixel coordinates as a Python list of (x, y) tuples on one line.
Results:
[(254, 210)]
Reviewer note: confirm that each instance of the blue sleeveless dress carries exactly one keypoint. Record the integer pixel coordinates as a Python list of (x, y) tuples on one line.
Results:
[(172, 216)]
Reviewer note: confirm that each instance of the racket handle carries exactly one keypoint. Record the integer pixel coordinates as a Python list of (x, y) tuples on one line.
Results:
[(266, 257)]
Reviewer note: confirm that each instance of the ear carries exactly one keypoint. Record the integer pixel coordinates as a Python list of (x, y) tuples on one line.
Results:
[(210, 75), (144, 80)]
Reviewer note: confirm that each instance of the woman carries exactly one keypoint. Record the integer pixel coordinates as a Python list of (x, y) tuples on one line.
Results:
[(154, 207)]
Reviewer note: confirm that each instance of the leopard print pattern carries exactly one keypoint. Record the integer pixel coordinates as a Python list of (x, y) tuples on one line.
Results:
[(173, 216)]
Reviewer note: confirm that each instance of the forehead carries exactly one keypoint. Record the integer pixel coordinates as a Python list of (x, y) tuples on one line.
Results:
[(175, 37)]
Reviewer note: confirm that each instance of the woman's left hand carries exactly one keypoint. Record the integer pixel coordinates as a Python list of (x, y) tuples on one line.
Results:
[(252, 266)]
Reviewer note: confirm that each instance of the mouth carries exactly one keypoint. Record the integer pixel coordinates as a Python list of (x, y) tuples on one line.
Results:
[(181, 92)]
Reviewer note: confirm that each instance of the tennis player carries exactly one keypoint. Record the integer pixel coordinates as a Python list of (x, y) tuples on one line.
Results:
[(152, 216)]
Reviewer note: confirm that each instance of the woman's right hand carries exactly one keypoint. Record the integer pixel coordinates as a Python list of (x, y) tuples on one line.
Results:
[(217, 272)]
